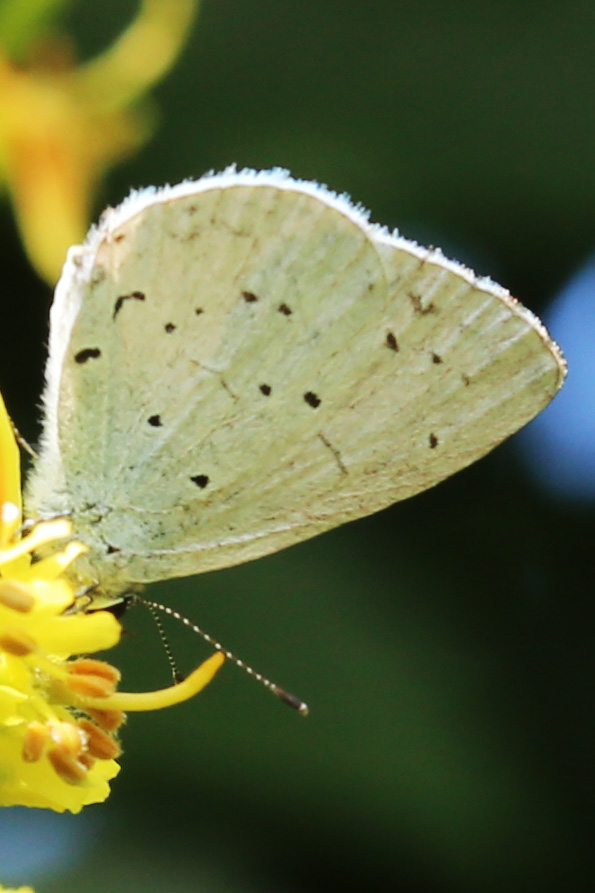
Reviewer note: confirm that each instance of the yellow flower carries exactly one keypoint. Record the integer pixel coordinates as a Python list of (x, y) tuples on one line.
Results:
[(48, 756), (63, 126), (16, 890), (59, 712)]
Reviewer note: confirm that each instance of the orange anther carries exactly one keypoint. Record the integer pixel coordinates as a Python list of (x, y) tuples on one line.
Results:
[(34, 740), (99, 743), (91, 686), (17, 642), (16, 596), (110, 720), (70, 770), (88, 666)]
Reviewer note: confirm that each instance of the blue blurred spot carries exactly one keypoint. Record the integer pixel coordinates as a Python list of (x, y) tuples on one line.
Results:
[(559, 445), (35, 843)]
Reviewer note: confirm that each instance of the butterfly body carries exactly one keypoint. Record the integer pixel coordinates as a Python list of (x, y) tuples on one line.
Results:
[(242, 362)]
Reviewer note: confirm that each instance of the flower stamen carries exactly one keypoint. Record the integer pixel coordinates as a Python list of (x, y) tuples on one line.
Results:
[(88, 666), (99, 743), (164, 697), (110, 720), (17, 642), (71, 770), (16, 596), (90, 686), (34, 741)]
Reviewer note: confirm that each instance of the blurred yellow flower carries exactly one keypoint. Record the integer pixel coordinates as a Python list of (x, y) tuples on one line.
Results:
[(62, 126), (59, 712), (16, 889)]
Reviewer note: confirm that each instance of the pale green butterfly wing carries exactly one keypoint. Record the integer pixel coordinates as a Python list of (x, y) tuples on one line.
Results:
[(243, 362)]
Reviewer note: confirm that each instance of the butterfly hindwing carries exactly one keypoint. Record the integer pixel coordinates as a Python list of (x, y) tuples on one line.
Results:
[(249, 362)]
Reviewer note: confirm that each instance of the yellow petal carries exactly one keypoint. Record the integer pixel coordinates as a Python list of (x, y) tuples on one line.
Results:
[(10, 476)]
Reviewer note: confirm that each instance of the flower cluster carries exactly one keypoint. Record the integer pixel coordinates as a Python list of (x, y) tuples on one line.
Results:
[(52, 754), (59, 709)]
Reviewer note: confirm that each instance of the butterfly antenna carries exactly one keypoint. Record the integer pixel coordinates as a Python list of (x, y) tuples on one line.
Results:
[(285, 696), (152, 609), (21, 441)]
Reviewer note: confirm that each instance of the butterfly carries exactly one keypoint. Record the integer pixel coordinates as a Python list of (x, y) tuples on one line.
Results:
[(241, 362)]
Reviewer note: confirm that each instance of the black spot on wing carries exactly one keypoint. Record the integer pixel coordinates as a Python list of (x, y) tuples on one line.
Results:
[(198, 310), (87, 353), (285, 309), (249, 297), (201, 480), (433, 441), (391, 341), (155, 421), (133, 296), (312, 399), (436, 358), (170, 327), (265, 389)]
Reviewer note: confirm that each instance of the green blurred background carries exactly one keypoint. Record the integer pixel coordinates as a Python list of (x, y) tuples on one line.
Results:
[(445, 646)]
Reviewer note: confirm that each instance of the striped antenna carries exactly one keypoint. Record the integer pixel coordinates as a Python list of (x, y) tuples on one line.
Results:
[(285, 696)]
